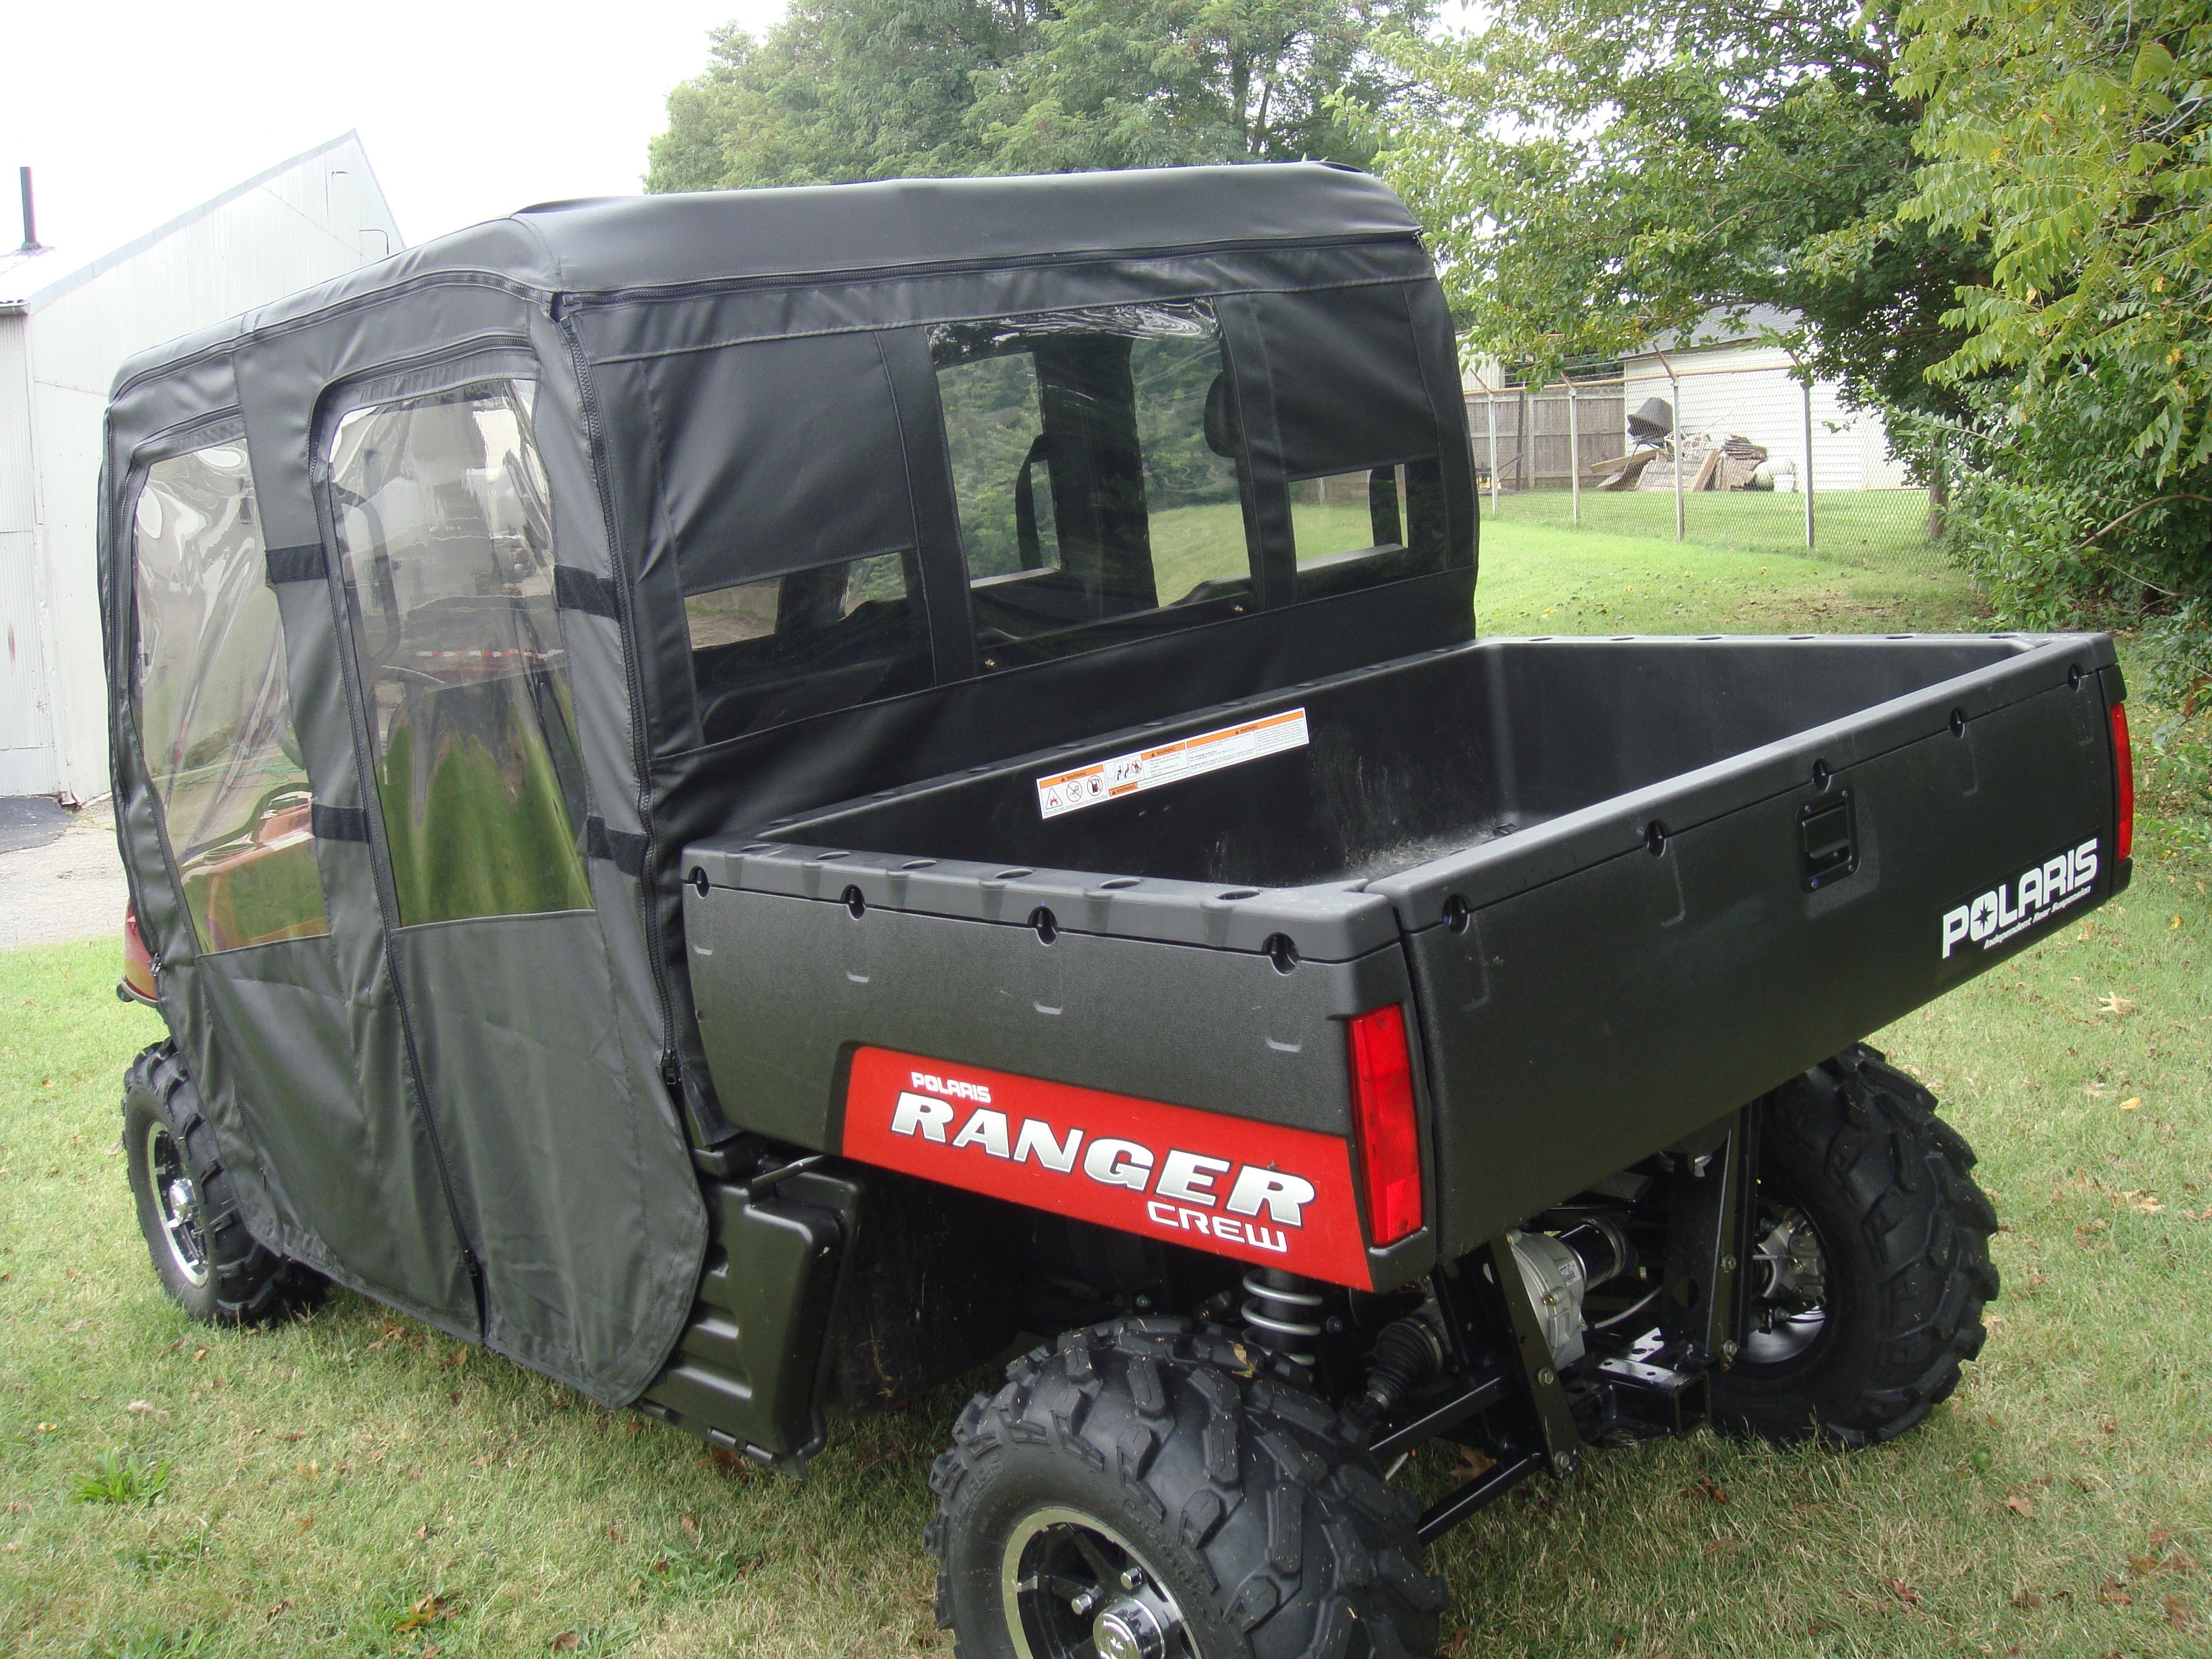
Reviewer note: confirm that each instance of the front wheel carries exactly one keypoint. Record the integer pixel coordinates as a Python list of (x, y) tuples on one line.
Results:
[(1871, 1259), (1143, 1491), (206, 1257)]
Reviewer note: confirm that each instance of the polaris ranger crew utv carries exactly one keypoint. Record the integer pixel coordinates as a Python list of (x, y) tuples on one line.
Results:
[(756, 800)]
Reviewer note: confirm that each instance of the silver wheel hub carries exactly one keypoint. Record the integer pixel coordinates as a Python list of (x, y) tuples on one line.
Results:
[(177, 1202), (1073, 1587), (1790, 1308)]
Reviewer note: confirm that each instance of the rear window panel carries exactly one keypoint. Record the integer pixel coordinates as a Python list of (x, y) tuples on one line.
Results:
[(1098, 476), (831, 636)]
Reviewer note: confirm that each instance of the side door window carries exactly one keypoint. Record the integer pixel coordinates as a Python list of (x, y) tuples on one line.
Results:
[(214, 713), (1097, 467), (445, 530)]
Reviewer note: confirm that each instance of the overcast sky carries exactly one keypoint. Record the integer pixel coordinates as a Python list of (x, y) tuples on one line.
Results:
[(129, 113)]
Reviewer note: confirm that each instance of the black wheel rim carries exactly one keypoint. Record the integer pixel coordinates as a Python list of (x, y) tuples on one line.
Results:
[(176, 1204), (1072, 1588), (1792, 1295)]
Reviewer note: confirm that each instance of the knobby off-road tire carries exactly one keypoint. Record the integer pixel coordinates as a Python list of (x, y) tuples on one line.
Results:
[(1855, 1148), (1234, 1490), (206, 1258)]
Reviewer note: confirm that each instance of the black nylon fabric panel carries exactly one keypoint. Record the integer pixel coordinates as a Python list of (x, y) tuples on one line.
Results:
[(284, 1066), (1268, 498), (720, 236), (762, 453), (656, 240), (628, 327), (1347, 377), (551, 1173), (579, 589), (405, 1224), (294, 564), (670, 1241), (1439, 356), (340, 823)]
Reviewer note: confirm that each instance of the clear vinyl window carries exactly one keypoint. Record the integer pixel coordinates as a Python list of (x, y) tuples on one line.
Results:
[(445, 529), (213, 713), (1375, 524), (837, 634), (1097, 465)]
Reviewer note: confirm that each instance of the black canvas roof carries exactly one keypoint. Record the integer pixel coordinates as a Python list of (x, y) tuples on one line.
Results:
[(621, 244)]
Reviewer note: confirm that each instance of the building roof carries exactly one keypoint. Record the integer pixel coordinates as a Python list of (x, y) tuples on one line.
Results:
[(1730, 326), (32, 279), (647, 243)]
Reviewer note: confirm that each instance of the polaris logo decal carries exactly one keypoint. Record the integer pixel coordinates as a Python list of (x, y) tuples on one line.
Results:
[(1256, 1191), (2036, 894)]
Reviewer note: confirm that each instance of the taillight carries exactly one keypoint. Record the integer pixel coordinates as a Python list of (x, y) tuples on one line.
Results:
[(2123, 772), (1383, 1118)]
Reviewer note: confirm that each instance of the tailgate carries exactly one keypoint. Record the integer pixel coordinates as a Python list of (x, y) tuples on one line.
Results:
[(1614, 979)]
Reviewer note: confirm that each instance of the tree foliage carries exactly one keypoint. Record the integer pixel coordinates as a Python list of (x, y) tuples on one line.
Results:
[(2072, 140), (847, 89), (2078, 140), (1596, 172)]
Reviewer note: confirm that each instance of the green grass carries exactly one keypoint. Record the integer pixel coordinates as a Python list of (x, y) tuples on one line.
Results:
[(1866, 527), (358, 1486)]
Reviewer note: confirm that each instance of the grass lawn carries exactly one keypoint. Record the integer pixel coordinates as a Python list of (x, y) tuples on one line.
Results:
[(1870, 527), (357, 1485)]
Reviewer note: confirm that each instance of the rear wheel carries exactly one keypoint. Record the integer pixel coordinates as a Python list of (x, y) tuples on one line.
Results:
[(206, 1258), (1144, 1492), (1871, 1259)]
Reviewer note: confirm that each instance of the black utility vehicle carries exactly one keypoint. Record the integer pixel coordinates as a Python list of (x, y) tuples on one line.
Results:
[(756, 800)]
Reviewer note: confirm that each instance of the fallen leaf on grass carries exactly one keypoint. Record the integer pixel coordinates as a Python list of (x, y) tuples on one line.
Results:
[(146, 1408), (2132, 1103), (690, 1525), (2026, 1599), (1706, 1487), (454, 1360), (2112, 1594), (2117, 1005), (280, 1607), (427, 1612), (1471, 1465), (303, 1521), (1904, 1592), (565, 1641), (2020, 1504), (2177, 1612)]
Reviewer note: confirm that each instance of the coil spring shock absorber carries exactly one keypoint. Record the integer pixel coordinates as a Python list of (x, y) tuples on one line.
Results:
[(1282, 1314)]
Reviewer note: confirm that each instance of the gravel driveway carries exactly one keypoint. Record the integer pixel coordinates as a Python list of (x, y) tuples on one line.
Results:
[(69, 883)]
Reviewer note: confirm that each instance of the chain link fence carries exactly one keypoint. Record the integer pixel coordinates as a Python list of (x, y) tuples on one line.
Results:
[(1767, 465)]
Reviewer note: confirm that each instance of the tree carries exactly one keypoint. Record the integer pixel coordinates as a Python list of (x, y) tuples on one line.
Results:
[(1594, 172), (2076, 140), (844, 89)]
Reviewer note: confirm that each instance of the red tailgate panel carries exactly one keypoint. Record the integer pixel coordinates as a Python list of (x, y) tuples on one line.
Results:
[(1283, 1198)]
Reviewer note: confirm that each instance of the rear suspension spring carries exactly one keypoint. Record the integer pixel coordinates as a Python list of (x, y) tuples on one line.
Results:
[(1282, 1314)]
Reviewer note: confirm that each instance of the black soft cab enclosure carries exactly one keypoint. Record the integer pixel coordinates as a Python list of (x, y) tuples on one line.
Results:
[(750, 797), (447, 603)]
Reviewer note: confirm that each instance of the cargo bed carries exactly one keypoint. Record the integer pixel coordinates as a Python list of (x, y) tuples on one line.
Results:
[(1624, 886)]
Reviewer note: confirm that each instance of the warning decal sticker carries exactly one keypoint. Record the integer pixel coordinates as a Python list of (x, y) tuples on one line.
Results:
[(1185, 757)]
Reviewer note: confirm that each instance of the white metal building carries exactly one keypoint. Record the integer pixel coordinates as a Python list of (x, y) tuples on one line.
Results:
[(1729, 381), (65, 326)]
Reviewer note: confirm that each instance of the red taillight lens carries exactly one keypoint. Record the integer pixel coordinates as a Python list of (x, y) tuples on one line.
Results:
[(2123, 772), (1382, 1116)]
